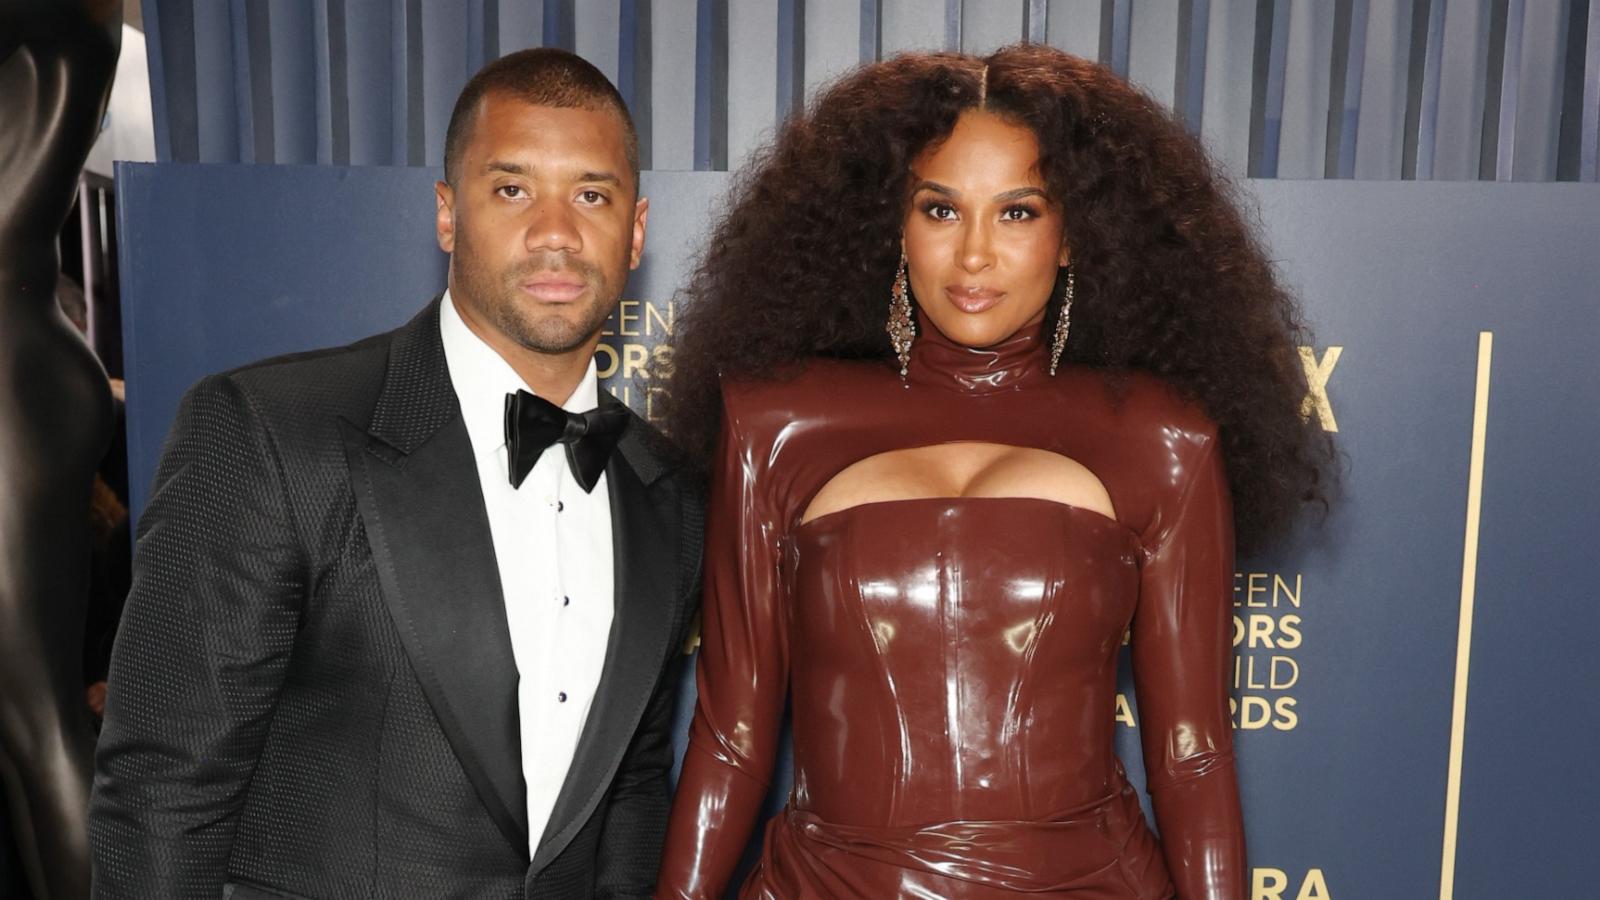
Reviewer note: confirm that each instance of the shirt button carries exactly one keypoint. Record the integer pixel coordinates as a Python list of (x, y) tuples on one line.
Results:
[(560, 506), (562, 697), (566, 601)]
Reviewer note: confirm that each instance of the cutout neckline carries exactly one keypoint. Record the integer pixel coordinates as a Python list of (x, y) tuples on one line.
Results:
[(1099, 518), (974, 476)]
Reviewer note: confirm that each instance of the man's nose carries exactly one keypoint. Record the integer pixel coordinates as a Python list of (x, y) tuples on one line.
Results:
[(554, 227)]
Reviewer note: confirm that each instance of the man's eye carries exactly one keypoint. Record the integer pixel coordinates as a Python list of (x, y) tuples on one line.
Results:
[(509, 191), (592, 197)]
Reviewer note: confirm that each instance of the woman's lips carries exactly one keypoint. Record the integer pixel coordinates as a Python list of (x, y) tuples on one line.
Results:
[(554, 290), (973, 300)]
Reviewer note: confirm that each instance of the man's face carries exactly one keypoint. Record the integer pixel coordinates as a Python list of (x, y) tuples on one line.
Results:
[(542, 225)]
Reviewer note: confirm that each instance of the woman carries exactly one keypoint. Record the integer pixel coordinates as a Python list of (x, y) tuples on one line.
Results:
[(989, 349)]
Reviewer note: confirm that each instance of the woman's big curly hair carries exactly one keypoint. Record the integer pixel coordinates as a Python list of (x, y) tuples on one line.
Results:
[(1169, 277)]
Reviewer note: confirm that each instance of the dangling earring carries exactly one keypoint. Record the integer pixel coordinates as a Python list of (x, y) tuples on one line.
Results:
[(902, 326), (1063, 324)]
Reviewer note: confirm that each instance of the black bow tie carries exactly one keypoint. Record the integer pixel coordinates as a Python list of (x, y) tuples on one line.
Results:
[(534, 423)]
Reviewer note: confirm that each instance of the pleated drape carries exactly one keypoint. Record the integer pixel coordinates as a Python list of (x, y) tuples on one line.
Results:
[(1372, 89)]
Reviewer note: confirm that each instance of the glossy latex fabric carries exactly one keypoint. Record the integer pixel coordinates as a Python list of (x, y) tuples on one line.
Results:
[(952, 661)]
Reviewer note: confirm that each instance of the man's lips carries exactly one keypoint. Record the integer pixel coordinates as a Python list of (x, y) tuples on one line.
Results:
[(972, 299), (554, 290)]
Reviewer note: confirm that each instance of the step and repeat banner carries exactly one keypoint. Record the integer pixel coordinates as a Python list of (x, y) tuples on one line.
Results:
[(1415, 680)]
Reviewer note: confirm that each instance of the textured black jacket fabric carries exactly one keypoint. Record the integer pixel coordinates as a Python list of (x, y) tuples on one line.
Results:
[(313, 693)]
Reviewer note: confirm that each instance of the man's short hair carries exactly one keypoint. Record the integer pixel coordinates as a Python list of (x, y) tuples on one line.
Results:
[(543, 76)]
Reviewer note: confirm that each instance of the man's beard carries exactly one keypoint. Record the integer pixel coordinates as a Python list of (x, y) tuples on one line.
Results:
[(500, 300)]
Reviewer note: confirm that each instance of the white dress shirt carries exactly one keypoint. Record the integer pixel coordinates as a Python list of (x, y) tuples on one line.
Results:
[(552, 543)]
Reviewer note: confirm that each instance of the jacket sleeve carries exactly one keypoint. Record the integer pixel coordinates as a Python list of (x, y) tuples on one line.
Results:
[(629, 853), (636, 812), (1182, 649), (742, 677), (218, 585)]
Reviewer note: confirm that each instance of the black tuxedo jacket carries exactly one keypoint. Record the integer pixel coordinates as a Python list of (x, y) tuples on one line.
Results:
[(313, 693)]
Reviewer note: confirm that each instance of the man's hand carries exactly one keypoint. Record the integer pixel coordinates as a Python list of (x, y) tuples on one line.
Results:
[(96, 695)]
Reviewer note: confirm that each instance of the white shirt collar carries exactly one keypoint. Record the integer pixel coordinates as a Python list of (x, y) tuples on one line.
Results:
[(482, 378)]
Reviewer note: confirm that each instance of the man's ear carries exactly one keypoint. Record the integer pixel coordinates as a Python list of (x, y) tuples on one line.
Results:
[(444, 221), (641, 217)]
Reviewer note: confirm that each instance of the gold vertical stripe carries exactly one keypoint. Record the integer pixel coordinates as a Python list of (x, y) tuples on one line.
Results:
[(1469, 581)]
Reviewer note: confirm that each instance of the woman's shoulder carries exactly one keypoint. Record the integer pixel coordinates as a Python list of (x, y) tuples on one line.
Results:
[(1159, 399), (813, 384), (1144, 440), (1142, 407)]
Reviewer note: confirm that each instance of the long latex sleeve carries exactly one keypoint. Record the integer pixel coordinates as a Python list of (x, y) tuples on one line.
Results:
[(1181, 654), (742, 676)]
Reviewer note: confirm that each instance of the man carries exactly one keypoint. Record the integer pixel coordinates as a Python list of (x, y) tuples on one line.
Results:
[(402, 610)]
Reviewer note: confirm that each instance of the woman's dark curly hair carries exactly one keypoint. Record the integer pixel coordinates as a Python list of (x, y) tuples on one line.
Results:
[(1169, 277)]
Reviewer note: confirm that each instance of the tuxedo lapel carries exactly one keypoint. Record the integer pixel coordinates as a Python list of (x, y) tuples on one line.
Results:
[(645, 536), (416, 486)]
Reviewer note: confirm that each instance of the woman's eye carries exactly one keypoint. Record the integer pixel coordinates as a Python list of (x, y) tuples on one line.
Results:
[(940, 212), (1017, 213)]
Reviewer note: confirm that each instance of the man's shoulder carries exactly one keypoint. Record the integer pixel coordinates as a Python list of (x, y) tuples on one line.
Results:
[(346, 359), (292, 370), (343, 381)]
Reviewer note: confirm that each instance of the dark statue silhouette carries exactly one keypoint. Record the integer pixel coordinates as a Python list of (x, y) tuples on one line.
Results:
[(57, 59)]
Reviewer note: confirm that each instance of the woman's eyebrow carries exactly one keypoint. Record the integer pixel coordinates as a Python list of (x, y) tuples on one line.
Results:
[(1002, 197), (1018, 194), (936, 188)]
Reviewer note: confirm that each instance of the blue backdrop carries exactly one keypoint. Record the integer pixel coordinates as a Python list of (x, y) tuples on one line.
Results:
[(1416, 679)]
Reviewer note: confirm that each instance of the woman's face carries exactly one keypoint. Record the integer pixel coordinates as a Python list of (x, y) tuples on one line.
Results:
[(983, 242)]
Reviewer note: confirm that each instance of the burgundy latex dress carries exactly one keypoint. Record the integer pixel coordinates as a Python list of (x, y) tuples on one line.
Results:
[(952, 661)]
